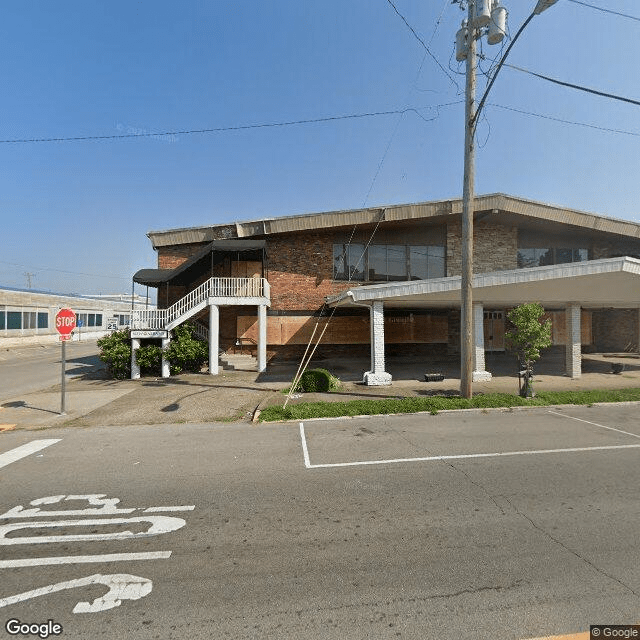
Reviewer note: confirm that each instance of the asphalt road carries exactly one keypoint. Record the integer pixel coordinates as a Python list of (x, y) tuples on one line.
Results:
[(278, 531), (26, 369)]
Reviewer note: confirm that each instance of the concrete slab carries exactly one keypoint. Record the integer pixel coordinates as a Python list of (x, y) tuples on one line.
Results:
[(43, 408)]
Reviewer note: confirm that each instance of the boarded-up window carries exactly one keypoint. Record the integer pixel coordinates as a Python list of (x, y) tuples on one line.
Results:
[(422, 329)]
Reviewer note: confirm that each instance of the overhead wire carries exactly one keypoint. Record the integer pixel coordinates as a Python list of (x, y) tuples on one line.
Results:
[(73, 273), (604, 10), (424, 45), (571, 85), (564, 121), (120, 136)]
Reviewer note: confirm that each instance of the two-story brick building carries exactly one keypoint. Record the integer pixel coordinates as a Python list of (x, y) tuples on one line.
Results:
[(389, 277)]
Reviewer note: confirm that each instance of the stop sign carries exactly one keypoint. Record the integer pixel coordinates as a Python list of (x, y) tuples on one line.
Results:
[(65, 321)]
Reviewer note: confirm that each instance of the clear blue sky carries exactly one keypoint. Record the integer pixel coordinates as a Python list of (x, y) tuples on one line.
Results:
[(78, 68)]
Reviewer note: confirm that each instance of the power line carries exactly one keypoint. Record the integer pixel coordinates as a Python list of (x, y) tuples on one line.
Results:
[(615, 13), (575, 86), (563, 121), (73, 273), (422, 42), (266, 125)]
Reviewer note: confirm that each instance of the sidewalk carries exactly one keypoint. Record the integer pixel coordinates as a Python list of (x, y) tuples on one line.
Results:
[(93, 400)]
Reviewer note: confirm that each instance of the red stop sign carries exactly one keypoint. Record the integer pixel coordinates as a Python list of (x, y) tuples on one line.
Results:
[(65, 321)]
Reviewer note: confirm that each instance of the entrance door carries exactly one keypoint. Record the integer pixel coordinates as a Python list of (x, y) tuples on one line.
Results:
[(247, 269), (494, 330)]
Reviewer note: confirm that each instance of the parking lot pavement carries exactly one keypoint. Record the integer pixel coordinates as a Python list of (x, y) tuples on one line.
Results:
[(252, 542)]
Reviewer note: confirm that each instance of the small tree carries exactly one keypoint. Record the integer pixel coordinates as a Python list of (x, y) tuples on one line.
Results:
[(527, 337)]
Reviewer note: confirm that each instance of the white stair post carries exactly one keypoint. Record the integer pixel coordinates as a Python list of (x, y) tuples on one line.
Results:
[(166, 370), (135, 368), (262, 338), (214, 323)]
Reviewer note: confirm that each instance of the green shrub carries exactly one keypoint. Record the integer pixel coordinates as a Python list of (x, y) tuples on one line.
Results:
[(186, 352), (149, 359), (317, 380), (115, 351)]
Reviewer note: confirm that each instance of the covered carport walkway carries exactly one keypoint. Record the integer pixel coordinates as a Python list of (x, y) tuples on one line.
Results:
[(595, 284)]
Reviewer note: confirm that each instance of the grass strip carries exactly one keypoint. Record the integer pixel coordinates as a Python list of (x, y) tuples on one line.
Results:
[(433, 404)]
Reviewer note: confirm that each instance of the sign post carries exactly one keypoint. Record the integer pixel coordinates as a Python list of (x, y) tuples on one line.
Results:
[(65, 324)]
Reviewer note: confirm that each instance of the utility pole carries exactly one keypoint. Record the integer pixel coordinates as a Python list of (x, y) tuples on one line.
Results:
[(28, 276), (484, 17), (466, 292)]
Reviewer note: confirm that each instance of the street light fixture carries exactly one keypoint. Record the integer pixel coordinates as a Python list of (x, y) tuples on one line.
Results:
[(543, 5), (473, 29)]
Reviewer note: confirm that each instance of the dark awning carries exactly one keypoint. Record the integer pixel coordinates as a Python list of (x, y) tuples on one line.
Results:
[(152, 277), (156, 277)]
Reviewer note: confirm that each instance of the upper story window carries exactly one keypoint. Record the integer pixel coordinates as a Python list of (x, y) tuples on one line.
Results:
[(541, 257), (388, 263)]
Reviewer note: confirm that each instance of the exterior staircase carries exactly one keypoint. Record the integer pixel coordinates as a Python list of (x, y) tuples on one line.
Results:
[(219, 291)]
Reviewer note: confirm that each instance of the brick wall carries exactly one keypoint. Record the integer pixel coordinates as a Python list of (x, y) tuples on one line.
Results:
[(301, 270), (615, 248), (615, 330), (495, 248), (172, 257)]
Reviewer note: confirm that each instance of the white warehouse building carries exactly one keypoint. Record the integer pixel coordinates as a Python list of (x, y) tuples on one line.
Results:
[(27, 316)]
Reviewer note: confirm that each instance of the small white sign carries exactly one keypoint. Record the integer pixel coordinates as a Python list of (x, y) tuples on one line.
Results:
[(148, 333)]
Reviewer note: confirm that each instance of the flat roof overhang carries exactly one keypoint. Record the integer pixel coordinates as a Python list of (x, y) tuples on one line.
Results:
[(612, 282)]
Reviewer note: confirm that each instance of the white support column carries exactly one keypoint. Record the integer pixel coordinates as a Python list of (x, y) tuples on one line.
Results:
[(135, 369), (214, 324), (479, 374), (166, 371), (574, 346), (377, 376), (262, 338)]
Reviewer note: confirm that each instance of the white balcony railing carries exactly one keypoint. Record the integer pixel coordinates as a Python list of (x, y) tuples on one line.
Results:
[(212, 288)]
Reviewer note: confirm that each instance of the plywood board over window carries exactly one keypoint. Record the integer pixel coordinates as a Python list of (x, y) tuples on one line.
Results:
[(421, 329), (559, 326), (246, 269)]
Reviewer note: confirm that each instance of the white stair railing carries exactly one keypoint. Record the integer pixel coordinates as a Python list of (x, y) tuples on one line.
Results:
[(211, 288)]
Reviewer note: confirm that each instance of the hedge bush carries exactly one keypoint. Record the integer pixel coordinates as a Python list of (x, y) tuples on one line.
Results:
[(186, 352), (319, 380), (115, 351), (149, 359)]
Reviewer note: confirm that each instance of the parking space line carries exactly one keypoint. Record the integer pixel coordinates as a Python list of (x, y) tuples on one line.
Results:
[(462, 456), (105, 557), (25, 450), (305, 451), (595, 424)]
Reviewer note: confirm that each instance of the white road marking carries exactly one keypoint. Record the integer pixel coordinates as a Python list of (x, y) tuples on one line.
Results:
[(188, 507), (122, 586), (305, 451), (159, 525), (25, 450), (105, 557), (463, 456), (595, 424), (101, 507), (107, 507)]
